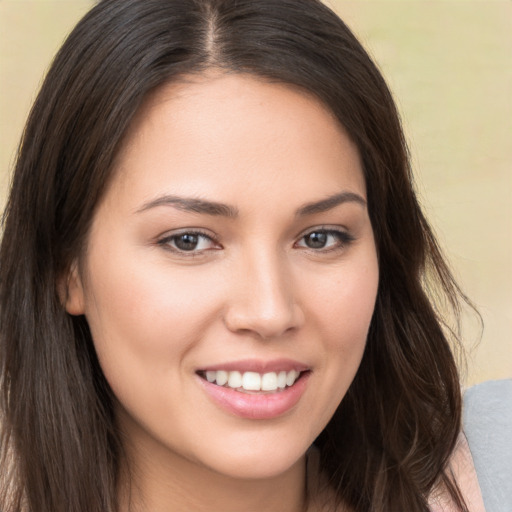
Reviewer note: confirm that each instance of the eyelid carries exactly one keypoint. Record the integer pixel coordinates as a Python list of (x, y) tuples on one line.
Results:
[(344, 237), (165, 239), (342, 234)]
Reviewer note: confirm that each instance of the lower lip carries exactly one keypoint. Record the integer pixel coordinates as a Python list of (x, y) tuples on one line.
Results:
[(256, 406)]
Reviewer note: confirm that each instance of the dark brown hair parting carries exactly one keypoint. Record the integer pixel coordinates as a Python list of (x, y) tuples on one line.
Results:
[(388, 443)]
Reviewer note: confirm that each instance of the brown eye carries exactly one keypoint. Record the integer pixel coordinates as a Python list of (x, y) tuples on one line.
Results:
[(316, 240), (186, 241), (325, 239)]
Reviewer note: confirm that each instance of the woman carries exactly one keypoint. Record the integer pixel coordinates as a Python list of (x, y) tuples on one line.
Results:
[(213, 276)]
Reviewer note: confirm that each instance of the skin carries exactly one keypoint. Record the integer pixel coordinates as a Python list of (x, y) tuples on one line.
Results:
[(252, 289), (462, 467)]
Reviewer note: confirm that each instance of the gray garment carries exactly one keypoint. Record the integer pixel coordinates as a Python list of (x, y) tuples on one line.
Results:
[(487, 418)]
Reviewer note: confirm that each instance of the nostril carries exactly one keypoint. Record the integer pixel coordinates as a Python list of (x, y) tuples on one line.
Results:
[(264, 323)]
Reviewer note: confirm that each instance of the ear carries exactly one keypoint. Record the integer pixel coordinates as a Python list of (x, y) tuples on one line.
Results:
[(71, 291)]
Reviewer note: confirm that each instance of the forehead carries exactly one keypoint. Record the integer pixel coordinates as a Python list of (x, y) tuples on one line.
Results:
[(218, 133)]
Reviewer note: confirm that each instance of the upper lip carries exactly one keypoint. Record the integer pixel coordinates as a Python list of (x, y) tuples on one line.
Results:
[(258, 366)]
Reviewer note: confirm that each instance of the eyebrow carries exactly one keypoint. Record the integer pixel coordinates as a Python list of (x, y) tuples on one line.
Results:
[(329, 203), (191, 204), (203, 206)]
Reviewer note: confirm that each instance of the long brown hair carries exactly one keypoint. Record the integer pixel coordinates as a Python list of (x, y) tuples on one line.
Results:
[(388, 443)]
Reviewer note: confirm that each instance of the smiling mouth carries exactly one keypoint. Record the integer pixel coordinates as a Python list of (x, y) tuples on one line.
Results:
[(252, 382)]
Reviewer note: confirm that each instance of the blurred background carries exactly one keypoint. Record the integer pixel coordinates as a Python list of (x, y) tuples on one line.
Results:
[(449, 65)]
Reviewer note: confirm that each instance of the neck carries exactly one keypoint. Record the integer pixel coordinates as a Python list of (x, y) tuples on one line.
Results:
[(164, 482)]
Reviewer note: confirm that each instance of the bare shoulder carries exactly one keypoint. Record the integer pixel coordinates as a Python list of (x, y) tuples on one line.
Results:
[(461, 466), (463, 469)]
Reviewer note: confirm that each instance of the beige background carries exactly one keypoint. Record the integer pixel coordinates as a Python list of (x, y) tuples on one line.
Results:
[(449, 64)]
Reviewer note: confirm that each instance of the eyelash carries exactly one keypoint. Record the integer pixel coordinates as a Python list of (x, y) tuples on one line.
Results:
[(166, 242), (343, 240)]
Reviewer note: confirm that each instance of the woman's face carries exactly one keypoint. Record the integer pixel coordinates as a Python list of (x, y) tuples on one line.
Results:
[(233, 243)]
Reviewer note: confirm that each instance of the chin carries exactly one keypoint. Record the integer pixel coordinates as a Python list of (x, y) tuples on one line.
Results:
[(254, 461)]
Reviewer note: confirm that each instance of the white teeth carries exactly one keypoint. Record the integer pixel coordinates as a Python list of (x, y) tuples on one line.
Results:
[(269, 381), (222, 378), (281, 380), (291, 377), (235, 380), (253, 381)]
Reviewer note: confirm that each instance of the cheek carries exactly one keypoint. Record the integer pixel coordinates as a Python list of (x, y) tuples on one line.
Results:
[(345, 304), (144, 319), (343, 311)]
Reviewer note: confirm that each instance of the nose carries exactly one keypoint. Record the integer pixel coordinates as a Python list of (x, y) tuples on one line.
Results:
[(263, 302)]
